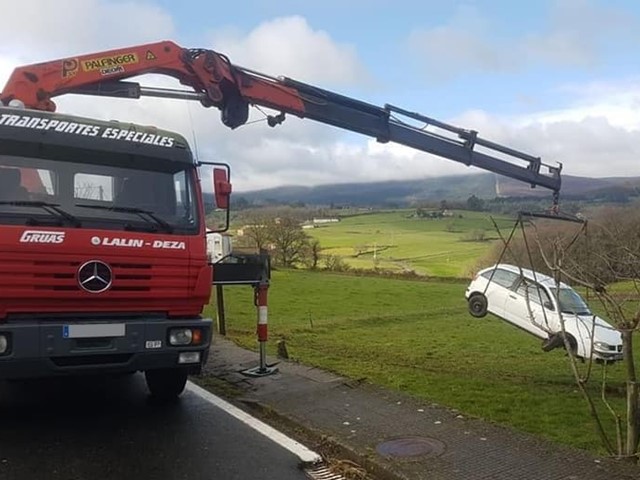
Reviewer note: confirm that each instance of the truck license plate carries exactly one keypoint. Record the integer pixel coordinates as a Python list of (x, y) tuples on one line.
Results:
[(93, 330)]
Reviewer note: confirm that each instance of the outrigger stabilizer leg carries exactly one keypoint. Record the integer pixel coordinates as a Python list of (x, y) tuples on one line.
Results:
[(260, 295)]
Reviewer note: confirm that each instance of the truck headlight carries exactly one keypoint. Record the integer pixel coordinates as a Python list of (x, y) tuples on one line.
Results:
[(185, 336), (4, 344), (601, 346), (180, 336)]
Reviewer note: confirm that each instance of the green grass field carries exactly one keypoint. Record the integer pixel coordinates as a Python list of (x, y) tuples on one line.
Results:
[(417, 337), (434, 247)]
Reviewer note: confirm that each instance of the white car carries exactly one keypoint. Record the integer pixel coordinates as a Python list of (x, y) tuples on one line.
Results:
[(528, 300)]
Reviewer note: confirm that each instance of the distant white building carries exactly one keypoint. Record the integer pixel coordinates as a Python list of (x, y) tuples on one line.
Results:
[(318, 221)]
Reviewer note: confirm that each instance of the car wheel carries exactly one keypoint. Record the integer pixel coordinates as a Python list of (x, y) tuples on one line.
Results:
[(573, 345), (478, 305), (554, 341)]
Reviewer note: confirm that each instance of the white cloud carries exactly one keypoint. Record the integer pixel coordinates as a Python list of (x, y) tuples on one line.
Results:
[(290, 47), (597, 135), (577, 34), (463, 44), (39, 30), (259, 155)]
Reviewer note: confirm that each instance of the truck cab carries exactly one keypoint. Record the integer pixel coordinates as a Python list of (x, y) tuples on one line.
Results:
[(103, 260)]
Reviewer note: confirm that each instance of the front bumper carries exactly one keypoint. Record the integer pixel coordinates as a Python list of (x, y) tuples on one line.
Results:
[(608, 356), (43, 348)]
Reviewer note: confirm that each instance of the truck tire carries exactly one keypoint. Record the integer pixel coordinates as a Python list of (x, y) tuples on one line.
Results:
[(165, 384), (478, 305)]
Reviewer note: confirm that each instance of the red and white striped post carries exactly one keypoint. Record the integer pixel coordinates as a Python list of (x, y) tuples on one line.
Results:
[(260, 293), (262, 329)]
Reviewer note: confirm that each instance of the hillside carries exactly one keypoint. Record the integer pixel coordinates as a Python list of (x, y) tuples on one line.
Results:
[(459, 187), (572, 187)]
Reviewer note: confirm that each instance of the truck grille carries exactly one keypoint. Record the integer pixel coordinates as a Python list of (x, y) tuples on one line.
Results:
[(80, 360), (22, 275)]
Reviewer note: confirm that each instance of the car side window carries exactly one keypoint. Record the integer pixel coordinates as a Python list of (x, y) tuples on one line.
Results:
[(535, 292), (501, 277)]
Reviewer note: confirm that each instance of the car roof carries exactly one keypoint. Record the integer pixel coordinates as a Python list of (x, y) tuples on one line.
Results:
[(527, 273)]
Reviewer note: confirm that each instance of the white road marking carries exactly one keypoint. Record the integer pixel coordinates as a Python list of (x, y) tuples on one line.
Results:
[(303, 453)]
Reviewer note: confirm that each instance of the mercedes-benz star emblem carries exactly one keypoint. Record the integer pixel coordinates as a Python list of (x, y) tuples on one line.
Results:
[(95, 276)]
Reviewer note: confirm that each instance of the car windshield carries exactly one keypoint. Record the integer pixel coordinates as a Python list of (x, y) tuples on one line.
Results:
[(571, 302), (40, 191)]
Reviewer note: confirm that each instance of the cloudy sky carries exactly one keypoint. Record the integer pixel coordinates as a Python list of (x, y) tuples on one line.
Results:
[(558, 79)]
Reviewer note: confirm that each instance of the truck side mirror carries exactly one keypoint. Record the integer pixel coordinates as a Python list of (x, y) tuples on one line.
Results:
[(221, 187), (217, 215), (548, 305)]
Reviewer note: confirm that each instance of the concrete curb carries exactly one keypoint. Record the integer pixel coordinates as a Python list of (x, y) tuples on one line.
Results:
[(345, 419), (327, 446)]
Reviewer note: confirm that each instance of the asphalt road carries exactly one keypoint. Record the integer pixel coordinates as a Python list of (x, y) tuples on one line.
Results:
[(108, 429)]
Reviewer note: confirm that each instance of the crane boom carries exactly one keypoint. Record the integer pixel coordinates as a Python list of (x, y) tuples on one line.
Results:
[(216, 82)]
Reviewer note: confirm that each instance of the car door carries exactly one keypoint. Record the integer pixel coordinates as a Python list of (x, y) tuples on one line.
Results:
[(500, 283), (524, 308)]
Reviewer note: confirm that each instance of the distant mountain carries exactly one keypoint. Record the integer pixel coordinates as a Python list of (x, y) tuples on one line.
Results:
[(451, 188), (572, 187), (399, 192)]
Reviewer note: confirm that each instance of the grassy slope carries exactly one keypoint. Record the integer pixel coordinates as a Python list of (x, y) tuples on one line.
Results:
[(417, 337), (424, 245)]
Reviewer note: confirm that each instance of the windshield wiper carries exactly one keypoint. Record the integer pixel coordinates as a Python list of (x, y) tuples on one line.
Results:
[(51, 208), (135, 210), (575, 312)]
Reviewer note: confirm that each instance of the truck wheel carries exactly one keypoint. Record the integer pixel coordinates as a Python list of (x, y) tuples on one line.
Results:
[(166, 384), (478, 305)]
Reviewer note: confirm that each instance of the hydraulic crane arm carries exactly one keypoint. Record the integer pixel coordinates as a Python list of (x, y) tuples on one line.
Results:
[(216, 82)]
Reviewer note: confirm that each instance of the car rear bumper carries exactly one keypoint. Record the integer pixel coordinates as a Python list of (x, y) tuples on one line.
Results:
[(44, 348)]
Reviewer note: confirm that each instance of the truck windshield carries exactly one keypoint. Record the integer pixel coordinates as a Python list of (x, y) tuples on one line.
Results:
[(38, 191)]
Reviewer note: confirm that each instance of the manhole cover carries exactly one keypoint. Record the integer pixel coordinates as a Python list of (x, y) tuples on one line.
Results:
[(411, 447)]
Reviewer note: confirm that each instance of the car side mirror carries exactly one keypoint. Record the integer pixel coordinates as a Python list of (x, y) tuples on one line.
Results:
[(548, 305)]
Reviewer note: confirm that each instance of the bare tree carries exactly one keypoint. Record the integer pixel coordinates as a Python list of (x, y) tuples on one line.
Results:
[(335, 263), (611, 272), (312, 253), (258, 230), (289, 241), (605, 261)]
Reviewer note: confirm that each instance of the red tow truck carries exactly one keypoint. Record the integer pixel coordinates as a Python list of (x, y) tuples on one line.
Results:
[(103, 262)]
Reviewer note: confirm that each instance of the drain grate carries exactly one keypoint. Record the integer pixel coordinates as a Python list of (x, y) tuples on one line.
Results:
[(322, 472)]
